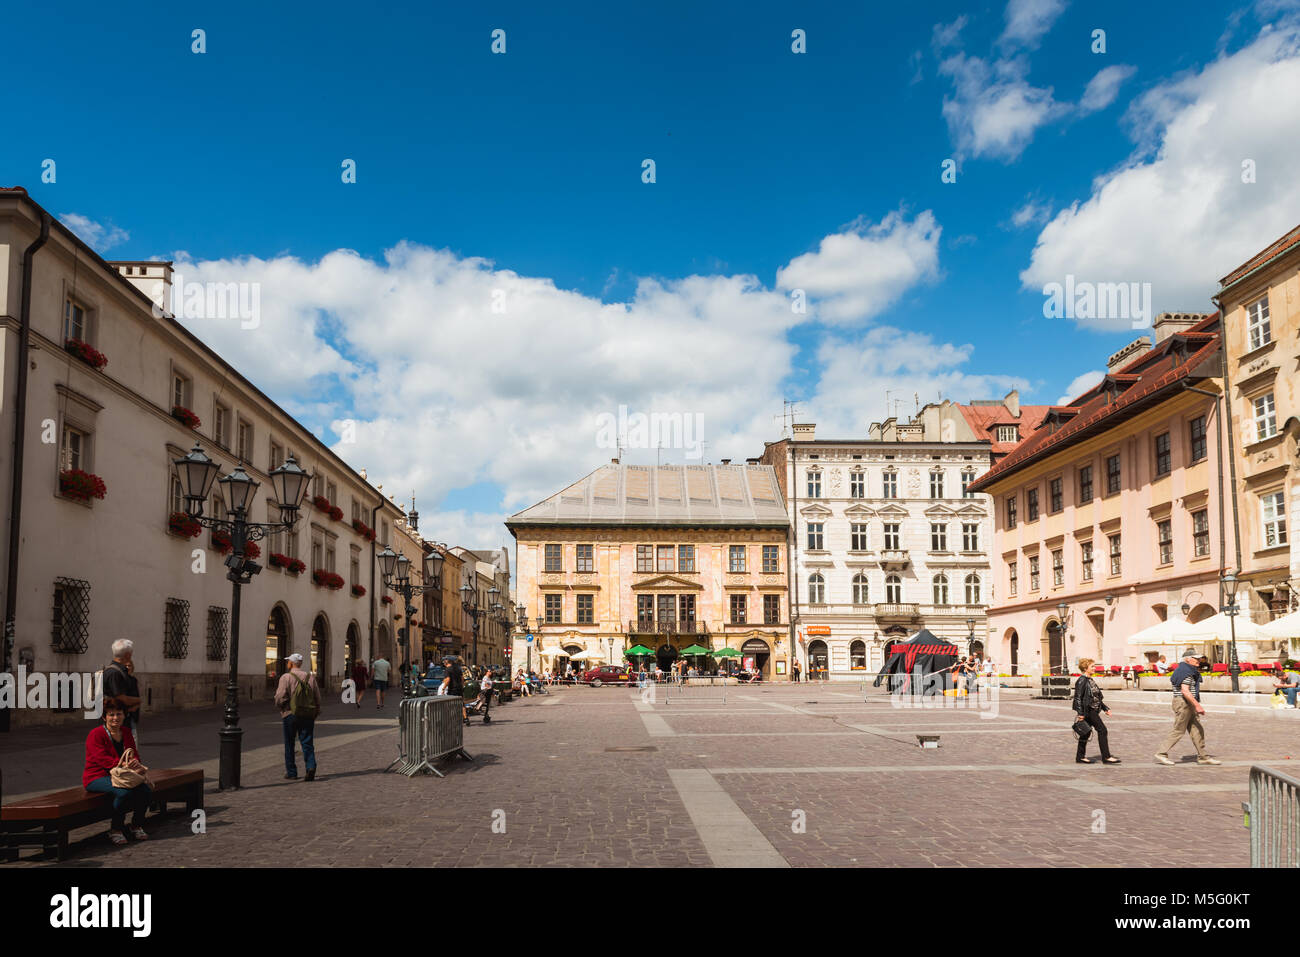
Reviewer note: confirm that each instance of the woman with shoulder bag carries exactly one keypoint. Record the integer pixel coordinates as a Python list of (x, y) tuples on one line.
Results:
[(1088, 706), (113, 767)]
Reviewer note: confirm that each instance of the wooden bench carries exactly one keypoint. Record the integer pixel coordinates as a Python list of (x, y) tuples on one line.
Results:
[(45, 821)]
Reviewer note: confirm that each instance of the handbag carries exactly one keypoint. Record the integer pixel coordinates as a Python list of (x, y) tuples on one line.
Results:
[(1082, 728), (126, 777)]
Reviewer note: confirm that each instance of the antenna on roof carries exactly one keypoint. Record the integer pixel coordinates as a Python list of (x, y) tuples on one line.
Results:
[(789, 411)]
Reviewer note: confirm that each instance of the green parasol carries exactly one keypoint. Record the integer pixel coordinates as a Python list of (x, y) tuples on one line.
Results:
[(695, 650), (637, 651), (725, 653)]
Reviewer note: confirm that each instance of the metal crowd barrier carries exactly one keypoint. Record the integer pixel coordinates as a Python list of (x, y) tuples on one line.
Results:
[(1273, 817), (428, 728), (707, 688)]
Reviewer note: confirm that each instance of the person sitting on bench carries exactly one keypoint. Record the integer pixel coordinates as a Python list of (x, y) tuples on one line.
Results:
[(110, 746)]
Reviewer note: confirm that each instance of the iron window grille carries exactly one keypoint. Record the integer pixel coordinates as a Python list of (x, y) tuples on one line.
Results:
[(176, 628), (218, 632), (71, 624)]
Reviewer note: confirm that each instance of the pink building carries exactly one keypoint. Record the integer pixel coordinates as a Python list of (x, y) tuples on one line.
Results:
[(1111, 509)]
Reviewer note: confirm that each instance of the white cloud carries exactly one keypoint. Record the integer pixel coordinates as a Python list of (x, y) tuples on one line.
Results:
[(1104, 87), (1081, 384), (994, 110), (1033, 213), (860, 272), (1029, 20), (95, 235), (1177, 214)]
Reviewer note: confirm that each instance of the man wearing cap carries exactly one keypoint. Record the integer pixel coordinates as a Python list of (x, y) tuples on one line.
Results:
[(297, 726), (1186, 680)]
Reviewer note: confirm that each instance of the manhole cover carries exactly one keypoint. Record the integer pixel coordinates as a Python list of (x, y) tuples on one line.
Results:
[(648, 747)]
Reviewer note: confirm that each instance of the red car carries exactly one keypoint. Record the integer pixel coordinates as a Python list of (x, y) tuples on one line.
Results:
[(608, 675)]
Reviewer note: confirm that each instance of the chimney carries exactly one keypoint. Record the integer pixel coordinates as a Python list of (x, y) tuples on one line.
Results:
[(805, 431), (1168, 323), (726, 461), (613, 461), (1012, 401), (154, 279), (1128, 354)]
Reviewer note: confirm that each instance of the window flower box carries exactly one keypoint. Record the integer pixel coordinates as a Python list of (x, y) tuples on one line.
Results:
[(336, 513), (182, 524), (221, 541), (81, 486), (321, 502), (386, 600), (358, 591), (83, 351), (327, 579), (185, 417), (296, 566), (364, 530), (252, 550), (278, 560)]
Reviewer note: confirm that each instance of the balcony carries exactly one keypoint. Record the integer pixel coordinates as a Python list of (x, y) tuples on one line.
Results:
[(894, 558), (906, 611), (687, 626)]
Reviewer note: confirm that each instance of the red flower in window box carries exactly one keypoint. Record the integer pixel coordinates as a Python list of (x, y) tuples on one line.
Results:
[(81, 486), (364, 530), (358, 591), (277, 560), (221, 541), (296, 566), (327, 579), (336, 513), (185, 417), (386, 600), (321, 502), (90, 356), (182, 524), (252, 550)]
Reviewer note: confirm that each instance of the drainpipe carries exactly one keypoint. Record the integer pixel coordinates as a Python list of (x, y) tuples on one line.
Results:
[(790, 552), (20, 435), (374, 525), (1232, 457), (1218, 409)]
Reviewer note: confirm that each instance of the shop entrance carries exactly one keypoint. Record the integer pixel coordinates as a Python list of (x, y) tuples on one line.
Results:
[(277, 645), (819, 661), (755, 655), (665, 657)]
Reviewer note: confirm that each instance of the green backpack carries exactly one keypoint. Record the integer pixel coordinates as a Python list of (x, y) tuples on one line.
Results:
[(302, 703)]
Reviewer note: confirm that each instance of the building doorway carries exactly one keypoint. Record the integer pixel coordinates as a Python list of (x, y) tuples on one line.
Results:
[(351, 649), (665, 657), (858, 655), (819, 660), (278, 645), (755, 655), (319, 660), (1055, 650), (1015, 653)]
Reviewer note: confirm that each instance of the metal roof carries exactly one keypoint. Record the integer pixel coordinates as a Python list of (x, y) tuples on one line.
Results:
[(664, 495)]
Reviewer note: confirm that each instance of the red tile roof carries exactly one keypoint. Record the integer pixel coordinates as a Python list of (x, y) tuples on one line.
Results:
[(1139, 382), (985, 419), (1275, 249)]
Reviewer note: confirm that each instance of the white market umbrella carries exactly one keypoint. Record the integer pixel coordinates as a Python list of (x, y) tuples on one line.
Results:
[(553, 652), (1175, 631), (1282, 629), (585, 656), (1219, 628)]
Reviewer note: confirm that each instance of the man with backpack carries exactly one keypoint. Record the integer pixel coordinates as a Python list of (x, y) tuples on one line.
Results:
[(298, 698)]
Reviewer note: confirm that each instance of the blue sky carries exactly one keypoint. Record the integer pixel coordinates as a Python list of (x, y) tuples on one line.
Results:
[(775, 171)]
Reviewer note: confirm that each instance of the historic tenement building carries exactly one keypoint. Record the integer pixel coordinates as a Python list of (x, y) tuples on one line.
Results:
[(666, 557), (887, 537)]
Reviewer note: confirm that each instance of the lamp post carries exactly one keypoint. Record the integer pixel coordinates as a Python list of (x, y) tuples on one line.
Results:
[(470, 602), (521, 620), (1230, 585), (396, 572), (970, 637), (197, 474), (1063, 609)]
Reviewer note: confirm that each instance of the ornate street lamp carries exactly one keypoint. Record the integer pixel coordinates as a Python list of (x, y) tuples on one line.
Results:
[(970, 640), (469, 601), (1063, 609), (395, 570), (1230, 585), (197, 473)]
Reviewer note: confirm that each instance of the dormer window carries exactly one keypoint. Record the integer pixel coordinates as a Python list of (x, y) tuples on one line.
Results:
[(1008, 433)]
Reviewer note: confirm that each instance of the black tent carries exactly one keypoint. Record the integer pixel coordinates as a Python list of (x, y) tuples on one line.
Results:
[(919, 665)]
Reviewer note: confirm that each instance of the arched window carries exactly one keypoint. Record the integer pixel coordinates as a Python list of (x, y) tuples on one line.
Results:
[(861, 594), (941, 589), (858, 656), (973, 589), (816, 589), (893, 590)]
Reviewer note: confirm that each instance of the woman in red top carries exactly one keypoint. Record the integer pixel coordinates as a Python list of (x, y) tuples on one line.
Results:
[(105, 746), (359, 677)]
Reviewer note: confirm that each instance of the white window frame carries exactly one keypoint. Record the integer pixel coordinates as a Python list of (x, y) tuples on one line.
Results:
[(1273, 518), (1265, 416), (1259, 328)]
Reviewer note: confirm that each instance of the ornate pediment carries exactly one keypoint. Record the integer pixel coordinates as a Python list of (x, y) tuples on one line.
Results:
[(815, 511), (666, 582)]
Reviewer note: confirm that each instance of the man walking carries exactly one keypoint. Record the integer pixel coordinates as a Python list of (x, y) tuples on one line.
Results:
[(1186, 680), (796, 671), (298, 698), (379, 675), (120, 685)]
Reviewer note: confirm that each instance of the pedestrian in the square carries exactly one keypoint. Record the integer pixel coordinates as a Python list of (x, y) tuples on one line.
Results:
[(1088, 708), (796, 671), (110, 750), (359, 678), (298, 698), (379, 670), (1188, 711), (121, 685)]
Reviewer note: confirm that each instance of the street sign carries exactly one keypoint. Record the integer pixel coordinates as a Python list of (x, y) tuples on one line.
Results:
[(529, 639)]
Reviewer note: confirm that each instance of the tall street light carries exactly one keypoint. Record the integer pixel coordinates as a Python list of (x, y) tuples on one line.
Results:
[(970, 639), (1063, 608), (469, 601), (521, 620), (197, 473), (396, 572), (1230, 585)]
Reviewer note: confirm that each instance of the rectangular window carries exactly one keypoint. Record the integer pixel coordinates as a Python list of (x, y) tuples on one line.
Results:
[(857, 485), (1008, 433), (1056, 498), (893, 541), (1058, 567), (354, 565), (218, 632), (1031, 505), (1033, 573), (331, 492), (221, 426), (645, 611), (1265, 417), (736, 558), (1196, 428), (329, 555), (665, 558), (1085, 485), (815, 532), (970, 537), (586, 558), (938, 537), (967, 479), (180, 391), (645, 558), (1164, 458), (771, 609), (738, 609), (74, 321), (1114, 555), (1165, 541), (770, 558), (1085, 560), (1011, 511), (858, 537), (936, 485), (1258, 327), (176, 628), (554, 609), (814, 484), (71, 616), (1013, 570), (686, 611), (277, 456), (1112, 475), (1201, 533), (72, 451), (1274, 512), (586, 609), (244, 441), (686, 558), (554, 559), (889, 485)]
